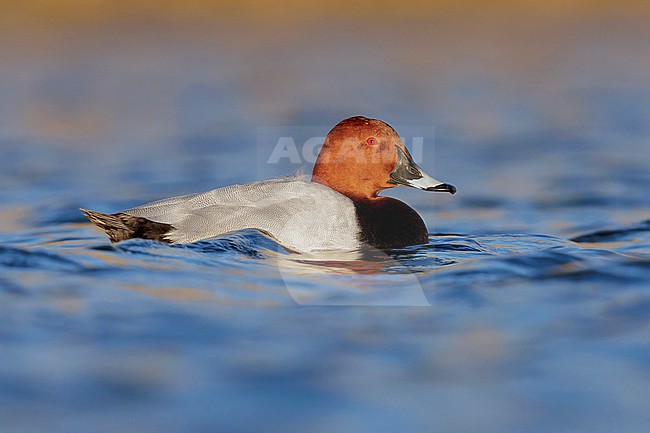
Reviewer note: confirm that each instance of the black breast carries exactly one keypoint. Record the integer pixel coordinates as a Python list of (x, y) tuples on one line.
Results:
[(390, 223)]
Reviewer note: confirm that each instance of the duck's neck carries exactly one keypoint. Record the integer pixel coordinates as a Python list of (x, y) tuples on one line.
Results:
[(355, 192)]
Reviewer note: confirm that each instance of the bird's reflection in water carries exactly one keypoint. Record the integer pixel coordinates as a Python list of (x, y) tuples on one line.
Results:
[(364, 272)]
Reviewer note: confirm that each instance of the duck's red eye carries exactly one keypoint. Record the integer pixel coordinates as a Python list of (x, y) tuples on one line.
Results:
[(372, 141)]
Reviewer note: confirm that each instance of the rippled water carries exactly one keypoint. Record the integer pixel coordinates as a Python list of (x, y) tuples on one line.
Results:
[(528, 310)]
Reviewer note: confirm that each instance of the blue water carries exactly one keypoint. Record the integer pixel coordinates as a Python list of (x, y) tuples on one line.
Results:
[(528, 310)]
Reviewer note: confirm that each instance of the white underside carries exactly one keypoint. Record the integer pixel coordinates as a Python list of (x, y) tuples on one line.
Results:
[(302, 216)]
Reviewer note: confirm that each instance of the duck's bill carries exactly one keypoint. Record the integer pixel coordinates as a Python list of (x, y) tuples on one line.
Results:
[(408, 173)]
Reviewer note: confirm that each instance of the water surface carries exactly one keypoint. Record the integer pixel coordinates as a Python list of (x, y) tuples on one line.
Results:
[(528, 309)]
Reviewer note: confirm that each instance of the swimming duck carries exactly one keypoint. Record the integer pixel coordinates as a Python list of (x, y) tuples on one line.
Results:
[(339, 209)]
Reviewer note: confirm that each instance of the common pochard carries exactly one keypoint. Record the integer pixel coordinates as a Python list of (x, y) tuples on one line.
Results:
[(339, 209)]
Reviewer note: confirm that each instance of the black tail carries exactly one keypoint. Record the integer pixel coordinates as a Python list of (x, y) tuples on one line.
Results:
[(120, 226)]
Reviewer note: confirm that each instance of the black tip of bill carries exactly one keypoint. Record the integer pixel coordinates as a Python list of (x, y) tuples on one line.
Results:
[(443, 187)]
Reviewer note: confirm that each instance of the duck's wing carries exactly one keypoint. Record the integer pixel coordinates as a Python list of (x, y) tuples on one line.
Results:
[(301, 215)]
